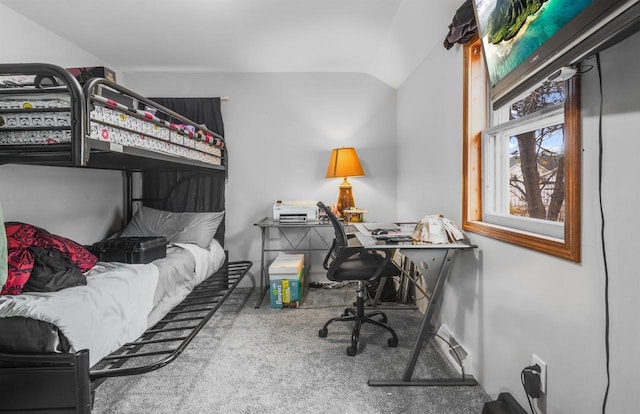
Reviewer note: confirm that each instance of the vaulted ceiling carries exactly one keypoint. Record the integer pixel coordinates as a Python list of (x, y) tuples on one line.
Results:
[(385, 38)]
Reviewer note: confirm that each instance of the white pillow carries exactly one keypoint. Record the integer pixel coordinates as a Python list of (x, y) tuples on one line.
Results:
[(196, 228)]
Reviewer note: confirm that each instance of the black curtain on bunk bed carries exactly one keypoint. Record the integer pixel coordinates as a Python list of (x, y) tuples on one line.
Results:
[(189, 189)]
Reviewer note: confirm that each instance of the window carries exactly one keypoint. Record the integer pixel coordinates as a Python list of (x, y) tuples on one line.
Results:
[(522, 172)]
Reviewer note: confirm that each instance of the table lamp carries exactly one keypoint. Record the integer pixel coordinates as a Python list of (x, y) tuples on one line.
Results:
[(344, 163)]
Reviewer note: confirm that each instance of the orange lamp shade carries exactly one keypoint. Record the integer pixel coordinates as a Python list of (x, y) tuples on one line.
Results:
[(344, 162)]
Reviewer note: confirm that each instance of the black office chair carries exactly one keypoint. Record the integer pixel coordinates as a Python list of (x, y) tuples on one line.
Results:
[(345, 263)]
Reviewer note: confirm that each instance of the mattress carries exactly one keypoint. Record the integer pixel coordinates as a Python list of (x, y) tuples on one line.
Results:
[(119, 302)]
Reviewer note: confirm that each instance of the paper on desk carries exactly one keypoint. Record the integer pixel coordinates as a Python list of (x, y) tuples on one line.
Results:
[(437, 229)]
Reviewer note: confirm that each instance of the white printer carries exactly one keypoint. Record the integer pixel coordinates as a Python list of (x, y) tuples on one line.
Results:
[(295, 211)]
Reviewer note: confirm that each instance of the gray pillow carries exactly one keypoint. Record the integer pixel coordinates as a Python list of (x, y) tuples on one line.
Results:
[(196, 228)]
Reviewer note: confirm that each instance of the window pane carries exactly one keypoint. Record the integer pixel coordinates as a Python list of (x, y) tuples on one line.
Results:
[(487, 151), (536, 174), (547, 95)]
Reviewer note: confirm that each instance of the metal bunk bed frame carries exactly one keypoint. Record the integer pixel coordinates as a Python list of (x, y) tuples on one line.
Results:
[(83, 151), (64, 382)]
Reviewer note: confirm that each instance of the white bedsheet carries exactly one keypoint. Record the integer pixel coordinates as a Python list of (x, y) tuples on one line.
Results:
[(207, 261), (177, 281), (120, 301), (108, 311)]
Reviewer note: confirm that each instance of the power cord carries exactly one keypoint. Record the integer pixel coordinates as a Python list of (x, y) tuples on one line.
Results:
[(530, 378), (453, 349), (602, 238)]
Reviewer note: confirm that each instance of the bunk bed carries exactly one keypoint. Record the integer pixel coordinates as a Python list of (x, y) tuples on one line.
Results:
[(48, 118)]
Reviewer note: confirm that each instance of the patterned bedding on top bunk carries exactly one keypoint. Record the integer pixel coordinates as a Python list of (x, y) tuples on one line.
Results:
[(44, 119), (42, 113), (118, 124)]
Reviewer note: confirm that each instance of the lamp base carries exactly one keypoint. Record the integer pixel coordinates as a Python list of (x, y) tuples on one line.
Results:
[(345, 197)]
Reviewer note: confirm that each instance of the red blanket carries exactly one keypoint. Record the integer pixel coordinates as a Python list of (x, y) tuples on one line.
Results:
[(20, 259)]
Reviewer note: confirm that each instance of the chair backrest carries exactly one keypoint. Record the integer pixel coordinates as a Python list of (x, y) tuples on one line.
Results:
[(340, 238), (340, 252)]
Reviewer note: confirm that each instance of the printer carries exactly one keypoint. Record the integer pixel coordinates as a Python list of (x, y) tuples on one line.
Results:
[(295, 211)]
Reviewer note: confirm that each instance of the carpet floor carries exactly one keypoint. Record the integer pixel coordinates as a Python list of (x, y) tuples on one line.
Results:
[(267, 360)]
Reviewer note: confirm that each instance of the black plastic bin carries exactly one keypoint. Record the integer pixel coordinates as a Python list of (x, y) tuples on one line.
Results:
[(130, 249)]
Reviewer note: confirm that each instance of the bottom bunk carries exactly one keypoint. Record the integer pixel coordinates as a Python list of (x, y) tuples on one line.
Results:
[(66, 382)]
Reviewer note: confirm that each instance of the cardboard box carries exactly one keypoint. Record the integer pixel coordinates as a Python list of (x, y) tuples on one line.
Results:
[(286, 281), (87, 73)]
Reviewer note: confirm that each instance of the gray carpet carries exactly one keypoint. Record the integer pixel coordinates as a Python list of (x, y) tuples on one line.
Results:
[(272, 361)]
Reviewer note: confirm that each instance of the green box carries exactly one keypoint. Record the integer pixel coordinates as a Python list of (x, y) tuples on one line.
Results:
[(286, 281)]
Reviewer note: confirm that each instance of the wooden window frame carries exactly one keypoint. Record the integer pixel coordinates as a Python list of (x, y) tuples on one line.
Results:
[(475, 115)]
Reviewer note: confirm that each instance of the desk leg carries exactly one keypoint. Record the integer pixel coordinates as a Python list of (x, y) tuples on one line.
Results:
[(381, 284), (264, 283), (423, 333)]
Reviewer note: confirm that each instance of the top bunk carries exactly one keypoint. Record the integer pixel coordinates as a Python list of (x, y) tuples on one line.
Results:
[(47, 118)]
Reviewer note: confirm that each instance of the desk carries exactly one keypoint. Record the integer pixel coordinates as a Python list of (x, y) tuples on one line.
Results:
[(291, 245), (435, 262)]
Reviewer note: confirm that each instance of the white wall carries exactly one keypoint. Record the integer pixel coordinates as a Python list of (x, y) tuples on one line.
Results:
[(428, 141), (505, 303), (280, 129), (81, 205), (24, 41), (621, 196)]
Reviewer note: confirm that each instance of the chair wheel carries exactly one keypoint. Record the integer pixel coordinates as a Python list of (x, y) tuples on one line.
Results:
[(351, 351), (392, 342), (322, 333)]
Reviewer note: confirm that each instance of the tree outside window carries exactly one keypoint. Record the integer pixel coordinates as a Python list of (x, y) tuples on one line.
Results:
[(536, 178)]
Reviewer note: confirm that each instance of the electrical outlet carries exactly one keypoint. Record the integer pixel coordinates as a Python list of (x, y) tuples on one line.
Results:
[(543, 372)]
